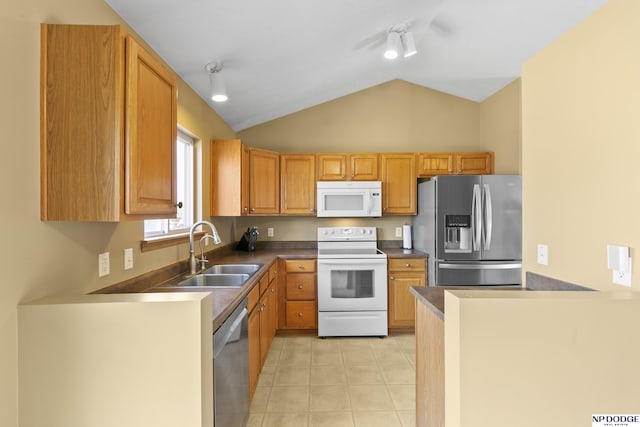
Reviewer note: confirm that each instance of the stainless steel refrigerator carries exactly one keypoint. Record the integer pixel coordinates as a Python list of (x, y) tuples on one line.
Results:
[(471, 228)]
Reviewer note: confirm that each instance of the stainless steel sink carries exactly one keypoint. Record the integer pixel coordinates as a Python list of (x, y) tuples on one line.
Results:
[(232, 269), (224, 280)]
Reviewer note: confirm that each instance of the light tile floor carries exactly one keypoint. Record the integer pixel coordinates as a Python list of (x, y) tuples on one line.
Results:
[(337, 382)]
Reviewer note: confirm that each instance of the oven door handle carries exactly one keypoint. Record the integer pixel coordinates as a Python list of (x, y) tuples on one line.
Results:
[(351, 261)]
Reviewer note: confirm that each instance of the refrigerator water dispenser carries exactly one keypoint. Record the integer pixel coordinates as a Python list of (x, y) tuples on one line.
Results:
[(457, 233)]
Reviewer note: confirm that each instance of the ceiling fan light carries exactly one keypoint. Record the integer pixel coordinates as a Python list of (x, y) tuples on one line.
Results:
[(393, 45), (408, 44)]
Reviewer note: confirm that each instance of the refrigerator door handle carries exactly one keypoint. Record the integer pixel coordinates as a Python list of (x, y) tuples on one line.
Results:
[(488, 212), (481, 266), (476, 220)]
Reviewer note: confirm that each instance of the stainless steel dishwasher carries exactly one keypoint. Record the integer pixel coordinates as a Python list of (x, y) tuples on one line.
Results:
[(231, 370)]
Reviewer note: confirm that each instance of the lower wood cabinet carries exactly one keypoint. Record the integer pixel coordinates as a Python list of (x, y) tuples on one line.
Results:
[(262, 306), (298, 304), (403, 274)]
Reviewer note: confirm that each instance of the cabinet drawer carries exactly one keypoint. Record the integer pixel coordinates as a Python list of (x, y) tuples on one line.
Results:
[(300, 266), (301, 314), (264, 283), (273, 271), (301, 286), (406, 264), (253, 297)]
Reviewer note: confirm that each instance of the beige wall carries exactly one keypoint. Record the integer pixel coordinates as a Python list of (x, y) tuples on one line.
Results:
[(580, 139), (43, 258), (532, 359)]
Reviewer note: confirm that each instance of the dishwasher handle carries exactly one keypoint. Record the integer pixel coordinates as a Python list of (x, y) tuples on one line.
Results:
[(232, 334)]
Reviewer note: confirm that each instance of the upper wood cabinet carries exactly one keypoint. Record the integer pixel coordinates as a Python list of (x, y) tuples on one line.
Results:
[(264, 182), (399, 183), (463, 163), (348, 166), (229, 188), (297, 184), (99, 160)]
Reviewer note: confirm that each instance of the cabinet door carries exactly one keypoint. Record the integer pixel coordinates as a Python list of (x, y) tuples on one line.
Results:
[(332, 167), (264, 182), (432, 164), (401, 302), (364, 166), (297, 184), (255, 364), (267, 321), (399, 183), (81, 122), (474, 163), (229, 183), (150, 134)]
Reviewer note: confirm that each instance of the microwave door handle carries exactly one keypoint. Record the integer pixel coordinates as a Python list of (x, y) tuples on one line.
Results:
[(370, 208)]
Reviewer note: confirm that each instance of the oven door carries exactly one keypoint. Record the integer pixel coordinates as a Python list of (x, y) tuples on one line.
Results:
[(352, 284)]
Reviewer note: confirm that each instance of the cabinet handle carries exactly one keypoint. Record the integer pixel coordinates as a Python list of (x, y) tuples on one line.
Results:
[(459, 171), (312, 210), (178, 205), (253, 209), (272, 290), (299, 286), (392, 278), (245, 209), (299, 314), (300, 267), (407, 265)]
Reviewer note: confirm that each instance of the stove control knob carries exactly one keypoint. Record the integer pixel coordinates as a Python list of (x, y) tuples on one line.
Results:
[(363, 231)]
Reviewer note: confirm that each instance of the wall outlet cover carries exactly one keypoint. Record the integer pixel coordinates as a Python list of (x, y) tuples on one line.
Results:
[(103, 264), (398, 231), (128, 258), (269, 231), (543, 254)]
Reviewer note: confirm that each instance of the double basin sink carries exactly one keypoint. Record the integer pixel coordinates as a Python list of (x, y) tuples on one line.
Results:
[(222, 275)]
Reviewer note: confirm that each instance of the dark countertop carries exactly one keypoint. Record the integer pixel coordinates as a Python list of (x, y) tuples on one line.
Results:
[(433, 296), (225, 300)]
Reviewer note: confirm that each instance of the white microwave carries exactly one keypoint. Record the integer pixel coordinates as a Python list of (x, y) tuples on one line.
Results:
[(349, 198)]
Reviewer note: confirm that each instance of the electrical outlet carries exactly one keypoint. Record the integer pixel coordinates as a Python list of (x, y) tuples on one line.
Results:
[(269, 231), (543, 254), (398, 231), (128, 258), (103, 264)]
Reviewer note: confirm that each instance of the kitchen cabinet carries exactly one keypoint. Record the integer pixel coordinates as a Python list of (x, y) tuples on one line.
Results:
[(403, 274), (108, 127), (429, 368), (399, 183), (262, 306), (264, 182), (229, 185), (298, 184), (298, 300), (348, 166), (463, 163), (255, 365)]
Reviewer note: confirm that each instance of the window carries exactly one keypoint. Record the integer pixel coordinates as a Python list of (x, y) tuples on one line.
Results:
[(185, 192)]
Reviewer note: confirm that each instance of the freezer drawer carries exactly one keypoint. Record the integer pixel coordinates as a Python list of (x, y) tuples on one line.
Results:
[(486, 273)]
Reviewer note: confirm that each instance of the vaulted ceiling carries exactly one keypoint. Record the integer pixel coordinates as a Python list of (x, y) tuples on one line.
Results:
[(282, 56)]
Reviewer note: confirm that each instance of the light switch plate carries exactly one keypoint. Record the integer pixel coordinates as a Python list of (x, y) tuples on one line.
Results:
[(543, 254), (103, 264), (128, 258)]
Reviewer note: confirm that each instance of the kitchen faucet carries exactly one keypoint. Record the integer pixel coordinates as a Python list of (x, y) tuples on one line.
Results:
[(192, 253)]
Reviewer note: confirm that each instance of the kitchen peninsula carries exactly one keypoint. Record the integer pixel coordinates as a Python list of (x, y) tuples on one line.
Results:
[(517, 357)]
